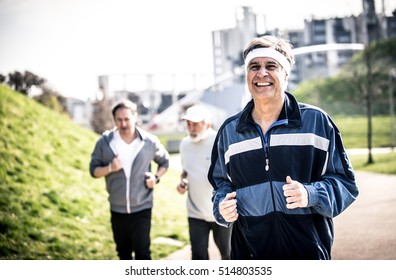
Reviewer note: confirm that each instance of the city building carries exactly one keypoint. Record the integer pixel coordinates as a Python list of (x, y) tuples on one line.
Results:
[(321, 48)]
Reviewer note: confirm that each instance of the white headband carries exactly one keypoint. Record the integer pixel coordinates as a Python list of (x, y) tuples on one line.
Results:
[(269, 52)]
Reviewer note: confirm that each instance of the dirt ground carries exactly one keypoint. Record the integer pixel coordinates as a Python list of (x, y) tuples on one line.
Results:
[(364, 231)]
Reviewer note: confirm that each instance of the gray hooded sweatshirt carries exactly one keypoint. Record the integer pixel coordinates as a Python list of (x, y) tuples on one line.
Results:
[(132, 196)]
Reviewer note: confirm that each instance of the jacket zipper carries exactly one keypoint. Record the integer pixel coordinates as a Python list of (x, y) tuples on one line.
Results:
[(267, 166), (265, 140), (266, 156)]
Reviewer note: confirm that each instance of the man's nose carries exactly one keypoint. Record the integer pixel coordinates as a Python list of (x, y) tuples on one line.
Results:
[(262, 72)]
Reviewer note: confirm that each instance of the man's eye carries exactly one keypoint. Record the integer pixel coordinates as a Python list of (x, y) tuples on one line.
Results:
[(255, 67), (271, 67)]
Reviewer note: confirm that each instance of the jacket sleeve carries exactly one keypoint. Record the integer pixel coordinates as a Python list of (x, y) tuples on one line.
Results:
[(161, 154), (96, 157), (217, 176), (337, 188)]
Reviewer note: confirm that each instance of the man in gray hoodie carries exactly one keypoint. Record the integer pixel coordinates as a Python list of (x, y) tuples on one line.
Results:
[(123, 155)]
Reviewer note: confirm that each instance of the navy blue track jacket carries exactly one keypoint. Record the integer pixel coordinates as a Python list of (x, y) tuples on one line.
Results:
[(305, 144)]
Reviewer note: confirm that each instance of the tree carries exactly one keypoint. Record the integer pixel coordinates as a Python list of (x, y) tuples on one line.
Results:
[(30, 80), (371, 69), (15, 81), (336, 95), (52, 100), (361, 87), (23, 82), (102, 118)]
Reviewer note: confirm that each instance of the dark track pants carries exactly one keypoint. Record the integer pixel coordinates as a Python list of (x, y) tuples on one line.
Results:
[(199, 239), (131, 234)]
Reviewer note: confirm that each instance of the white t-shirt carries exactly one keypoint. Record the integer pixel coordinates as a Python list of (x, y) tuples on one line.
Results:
[(195, 160), (126, 152)]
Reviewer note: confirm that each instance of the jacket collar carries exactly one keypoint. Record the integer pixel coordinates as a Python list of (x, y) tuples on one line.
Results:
[(290, 112)]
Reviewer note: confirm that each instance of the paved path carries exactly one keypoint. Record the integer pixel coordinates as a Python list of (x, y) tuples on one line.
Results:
[(365, 231)]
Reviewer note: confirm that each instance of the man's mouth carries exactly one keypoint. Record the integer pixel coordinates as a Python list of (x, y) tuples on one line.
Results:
[(262, 84)]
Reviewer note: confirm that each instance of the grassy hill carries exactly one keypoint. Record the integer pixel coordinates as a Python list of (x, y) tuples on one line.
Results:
[(50, 207)]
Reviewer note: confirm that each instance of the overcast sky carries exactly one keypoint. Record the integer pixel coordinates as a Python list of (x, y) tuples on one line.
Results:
[(71, 42)]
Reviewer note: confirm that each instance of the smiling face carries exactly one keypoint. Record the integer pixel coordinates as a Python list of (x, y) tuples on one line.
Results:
[(266, 78)]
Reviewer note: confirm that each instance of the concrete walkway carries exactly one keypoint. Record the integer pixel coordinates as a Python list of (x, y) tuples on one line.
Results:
[(364, 231), (367, 229), (185, 253)]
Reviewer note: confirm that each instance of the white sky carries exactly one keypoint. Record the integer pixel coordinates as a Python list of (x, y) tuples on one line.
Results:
[(71, 42)]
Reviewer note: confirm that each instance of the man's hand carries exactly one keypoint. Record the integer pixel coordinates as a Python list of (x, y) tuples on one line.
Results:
[(228, 208), (115, 164), (182, 186), (150, 180), (295, 193)]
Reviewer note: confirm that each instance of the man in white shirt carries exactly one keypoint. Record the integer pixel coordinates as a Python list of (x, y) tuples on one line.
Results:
[(195, 152)]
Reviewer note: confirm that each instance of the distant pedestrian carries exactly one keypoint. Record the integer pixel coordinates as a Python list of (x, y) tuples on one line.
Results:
[(195, 151), (123, 155)]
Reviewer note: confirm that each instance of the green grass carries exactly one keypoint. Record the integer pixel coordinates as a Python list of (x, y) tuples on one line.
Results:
[(383, 163), (354, 131), (169, 215), (354, 134), (50, 207)]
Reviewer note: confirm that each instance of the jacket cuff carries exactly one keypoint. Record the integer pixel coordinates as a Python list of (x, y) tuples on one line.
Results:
[(216, 213), (312, 195)]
